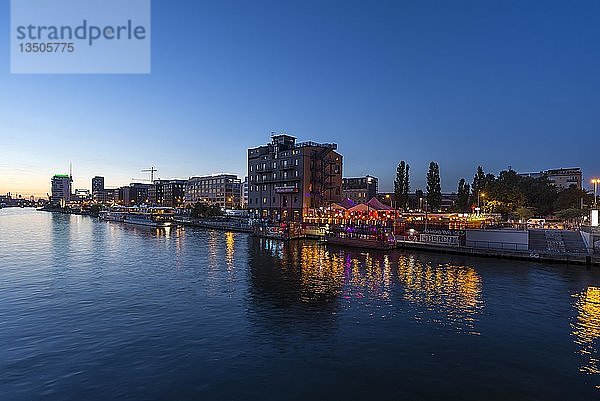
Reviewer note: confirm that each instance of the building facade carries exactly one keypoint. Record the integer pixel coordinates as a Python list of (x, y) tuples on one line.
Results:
[(61, 189), (360, 189), (174, 193), (156, 192), (97, 184), (244, 194), (562, 178), (134, 194), (81, 195), (223, 190), (286, 178), (106, 196)]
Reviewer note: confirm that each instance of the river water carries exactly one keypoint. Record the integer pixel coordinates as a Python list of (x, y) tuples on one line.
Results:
[(94, 310)]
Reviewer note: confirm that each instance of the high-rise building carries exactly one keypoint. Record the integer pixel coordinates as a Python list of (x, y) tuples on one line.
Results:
[(287, 178), (97, 184), (219, 189), (360, 189), (61, 189)]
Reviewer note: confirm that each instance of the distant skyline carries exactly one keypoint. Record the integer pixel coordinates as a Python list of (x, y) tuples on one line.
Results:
[(463, 83)]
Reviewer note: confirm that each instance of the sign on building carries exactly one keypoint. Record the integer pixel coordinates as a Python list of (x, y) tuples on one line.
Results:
[(440, 239)]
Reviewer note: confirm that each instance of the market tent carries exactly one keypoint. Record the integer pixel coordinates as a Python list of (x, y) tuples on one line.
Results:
[(347, 203), (375, 204), (337, 206), (360, 208)]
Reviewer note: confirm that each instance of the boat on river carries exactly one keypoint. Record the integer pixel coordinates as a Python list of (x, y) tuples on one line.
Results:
[(381, 238), (142, 215)]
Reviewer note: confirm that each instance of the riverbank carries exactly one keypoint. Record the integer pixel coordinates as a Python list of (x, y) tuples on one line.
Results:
[(224, 224), (582, 259), (53, 209), (244, 226)]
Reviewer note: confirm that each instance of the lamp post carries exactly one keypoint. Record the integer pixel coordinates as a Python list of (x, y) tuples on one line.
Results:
[(479, 195), (595, 181)]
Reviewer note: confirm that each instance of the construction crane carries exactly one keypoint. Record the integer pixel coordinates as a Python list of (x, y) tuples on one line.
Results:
[(151, 170)]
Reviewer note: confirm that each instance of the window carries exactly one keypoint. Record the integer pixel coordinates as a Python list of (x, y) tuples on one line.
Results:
[(264, 200)]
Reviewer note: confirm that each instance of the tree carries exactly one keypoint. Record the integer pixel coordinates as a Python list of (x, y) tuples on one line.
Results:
[(539, 194), (463, 193), (203, 210), (434, 188), (401, 185), (481, 184), (505, 193), (398, 182), (478, 180), (571, 214), (406, 186), (569, 198), (524, 213)]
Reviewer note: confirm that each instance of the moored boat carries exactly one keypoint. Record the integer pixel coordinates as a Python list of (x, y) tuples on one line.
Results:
[(361, 237), (144, 216)]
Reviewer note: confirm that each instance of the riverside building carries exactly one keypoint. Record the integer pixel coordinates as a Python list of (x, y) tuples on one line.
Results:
[(174, 193), (223, 190), (134, 194), (286, 179), (156, 192), (61, 189), (360, 189)]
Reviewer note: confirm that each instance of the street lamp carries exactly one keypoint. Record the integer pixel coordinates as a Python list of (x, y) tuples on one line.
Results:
[(387, 196), (479, 195), (596, 181)]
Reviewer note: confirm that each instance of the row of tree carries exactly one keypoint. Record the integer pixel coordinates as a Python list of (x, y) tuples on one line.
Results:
[(520, 196), (508, 193), (402, 187)]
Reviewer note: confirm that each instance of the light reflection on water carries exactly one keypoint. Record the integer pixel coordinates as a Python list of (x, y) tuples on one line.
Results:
[(444, 294), (586, 328), (452, 292), (170, 314)]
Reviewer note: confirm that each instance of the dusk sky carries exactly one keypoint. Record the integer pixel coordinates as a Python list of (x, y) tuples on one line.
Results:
[(496, 83)]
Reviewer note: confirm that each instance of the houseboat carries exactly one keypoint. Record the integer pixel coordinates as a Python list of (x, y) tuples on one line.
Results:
[(144, 216), (369, 237)]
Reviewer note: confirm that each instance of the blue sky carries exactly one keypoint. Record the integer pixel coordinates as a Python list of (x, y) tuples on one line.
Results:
[(496, 83)]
